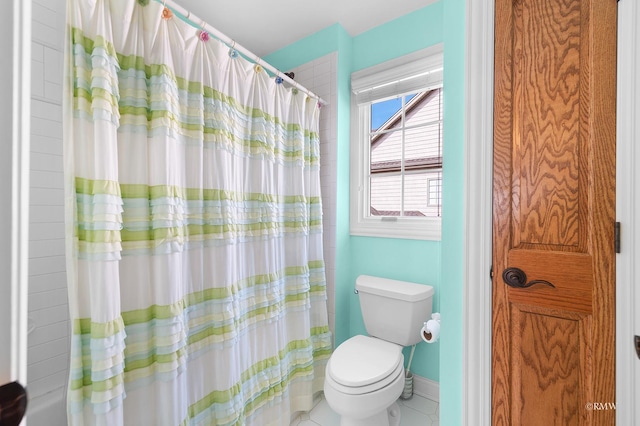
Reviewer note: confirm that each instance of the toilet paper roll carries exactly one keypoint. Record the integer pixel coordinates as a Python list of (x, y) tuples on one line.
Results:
[(430, 331)]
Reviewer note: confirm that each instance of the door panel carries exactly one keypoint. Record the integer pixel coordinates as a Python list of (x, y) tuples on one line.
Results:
[(549, 364), (554, 211), (570, 273), (546, 122)]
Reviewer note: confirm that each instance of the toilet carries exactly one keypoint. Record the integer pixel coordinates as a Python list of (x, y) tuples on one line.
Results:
[(365, 374)]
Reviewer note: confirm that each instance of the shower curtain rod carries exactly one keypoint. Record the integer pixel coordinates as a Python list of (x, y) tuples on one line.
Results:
[(189, 18)]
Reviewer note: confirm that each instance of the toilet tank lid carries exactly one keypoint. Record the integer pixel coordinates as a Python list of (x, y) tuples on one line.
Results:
[(402, 290)]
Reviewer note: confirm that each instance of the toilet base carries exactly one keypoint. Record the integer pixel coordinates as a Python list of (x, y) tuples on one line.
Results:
[(388, 417)]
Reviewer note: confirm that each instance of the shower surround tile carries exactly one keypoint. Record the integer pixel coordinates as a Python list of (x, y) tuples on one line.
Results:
[(48, 340)]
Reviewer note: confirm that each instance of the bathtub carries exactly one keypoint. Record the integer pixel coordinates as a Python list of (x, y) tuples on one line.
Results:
[(47, 410)]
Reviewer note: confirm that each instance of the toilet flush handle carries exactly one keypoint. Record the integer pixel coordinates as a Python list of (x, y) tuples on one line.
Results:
[(355, 291)]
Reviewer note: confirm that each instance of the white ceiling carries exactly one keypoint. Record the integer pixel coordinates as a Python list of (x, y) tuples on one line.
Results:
[(264, 26)]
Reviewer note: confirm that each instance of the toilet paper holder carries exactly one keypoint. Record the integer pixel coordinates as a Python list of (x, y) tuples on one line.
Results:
[(431, 329)]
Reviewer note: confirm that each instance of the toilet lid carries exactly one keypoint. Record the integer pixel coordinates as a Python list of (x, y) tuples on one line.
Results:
[(363, 360)]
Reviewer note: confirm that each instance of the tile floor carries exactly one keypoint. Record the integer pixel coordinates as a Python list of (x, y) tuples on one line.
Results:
[(417, 411)]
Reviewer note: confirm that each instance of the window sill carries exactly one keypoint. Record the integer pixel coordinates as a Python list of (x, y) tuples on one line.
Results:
[(430, 229)]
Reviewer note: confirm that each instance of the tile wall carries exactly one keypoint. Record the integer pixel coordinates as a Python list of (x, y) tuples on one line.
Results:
[(48, 356)]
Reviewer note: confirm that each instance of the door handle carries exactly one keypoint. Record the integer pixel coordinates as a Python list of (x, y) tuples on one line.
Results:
[(13, 403), (515, 277)]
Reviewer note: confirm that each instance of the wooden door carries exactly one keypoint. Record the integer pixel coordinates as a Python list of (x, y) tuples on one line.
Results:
[(554, 212)]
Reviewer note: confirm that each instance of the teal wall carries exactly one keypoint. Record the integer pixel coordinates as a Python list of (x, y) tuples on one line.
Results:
[(430, 262), (453, 182), (399, 37)]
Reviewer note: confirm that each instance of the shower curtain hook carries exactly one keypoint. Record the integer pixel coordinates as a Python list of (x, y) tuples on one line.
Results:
[(166, 12), (233, 53), (257, 67), (203, 34), (278, 77)]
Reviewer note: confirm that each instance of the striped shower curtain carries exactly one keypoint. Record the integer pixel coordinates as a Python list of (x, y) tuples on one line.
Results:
[(194, 233)]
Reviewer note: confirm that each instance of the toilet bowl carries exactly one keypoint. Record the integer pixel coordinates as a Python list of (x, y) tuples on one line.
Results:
[(365, 374), (364, 377)]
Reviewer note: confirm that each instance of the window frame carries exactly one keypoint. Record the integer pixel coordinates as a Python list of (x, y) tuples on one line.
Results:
[(438, 182), (361, 222)]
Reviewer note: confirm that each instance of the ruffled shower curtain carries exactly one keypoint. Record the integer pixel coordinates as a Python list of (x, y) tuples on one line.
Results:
[(194, 233)]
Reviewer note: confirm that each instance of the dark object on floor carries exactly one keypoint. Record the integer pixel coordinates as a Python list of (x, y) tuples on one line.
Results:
[(13, 404)]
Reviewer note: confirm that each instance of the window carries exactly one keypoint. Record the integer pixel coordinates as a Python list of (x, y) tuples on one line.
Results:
[(434, 196), (396, 148)]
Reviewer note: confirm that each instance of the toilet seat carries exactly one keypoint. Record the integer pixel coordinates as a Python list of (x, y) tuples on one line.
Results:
[(364, 364)]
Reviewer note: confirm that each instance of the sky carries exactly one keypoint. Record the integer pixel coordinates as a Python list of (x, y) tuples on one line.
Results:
[(382, 111)]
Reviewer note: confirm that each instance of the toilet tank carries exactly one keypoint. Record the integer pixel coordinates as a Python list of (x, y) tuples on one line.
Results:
[(394, 310)]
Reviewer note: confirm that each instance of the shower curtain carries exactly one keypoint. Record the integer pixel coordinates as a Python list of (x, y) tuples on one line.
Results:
[(194, 234)]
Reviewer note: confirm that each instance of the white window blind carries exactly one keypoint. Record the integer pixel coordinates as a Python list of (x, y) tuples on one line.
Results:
[(414, 72)]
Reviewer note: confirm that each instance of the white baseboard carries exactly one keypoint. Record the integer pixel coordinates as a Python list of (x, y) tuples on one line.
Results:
[(426, 388)]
